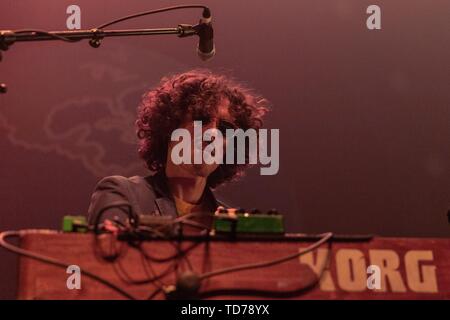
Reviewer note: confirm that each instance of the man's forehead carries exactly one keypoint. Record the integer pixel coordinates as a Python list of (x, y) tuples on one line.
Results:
[(223, 113)]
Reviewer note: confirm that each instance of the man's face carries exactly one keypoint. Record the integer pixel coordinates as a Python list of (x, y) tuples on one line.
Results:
[(203, 169)]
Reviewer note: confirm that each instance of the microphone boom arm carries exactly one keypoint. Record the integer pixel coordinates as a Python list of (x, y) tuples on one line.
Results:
[(95, 36)]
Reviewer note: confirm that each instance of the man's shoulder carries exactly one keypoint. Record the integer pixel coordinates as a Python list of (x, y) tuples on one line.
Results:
[(119, 181), (136, 190)]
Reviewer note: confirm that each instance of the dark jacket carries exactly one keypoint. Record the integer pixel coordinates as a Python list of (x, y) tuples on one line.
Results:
[(143, 195)]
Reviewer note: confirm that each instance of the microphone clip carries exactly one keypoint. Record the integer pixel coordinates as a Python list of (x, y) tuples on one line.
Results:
[(186, 30)]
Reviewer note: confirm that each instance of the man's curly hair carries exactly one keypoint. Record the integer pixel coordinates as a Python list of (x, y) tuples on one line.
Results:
[(196, 93)]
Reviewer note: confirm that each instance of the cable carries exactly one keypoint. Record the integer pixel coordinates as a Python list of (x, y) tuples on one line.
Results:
[(188, 285), (114, 255), (269, 293), (325, 238), (147, 266), (133, 228), (155, 293), (122, 273), (118, 205), (183, 253), (39, 257), (136, 15), (46, 33), (107, 24), (171, 257)]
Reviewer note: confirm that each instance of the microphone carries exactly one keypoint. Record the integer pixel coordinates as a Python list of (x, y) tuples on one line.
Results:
[(205, 48)]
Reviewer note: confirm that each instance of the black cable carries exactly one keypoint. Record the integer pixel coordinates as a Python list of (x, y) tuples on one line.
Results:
[(325, 238), (42, 258), (115, 205), (155, 293), (46, 33), (97, 231), (136, 15), (133, 227), (269, 293), (171, 257), (126, 277), (119, 269), (147, 266), (180, 253), (240, 291), (184, 220)]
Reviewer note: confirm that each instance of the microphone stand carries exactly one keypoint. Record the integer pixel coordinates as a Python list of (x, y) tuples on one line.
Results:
[(95, 36)]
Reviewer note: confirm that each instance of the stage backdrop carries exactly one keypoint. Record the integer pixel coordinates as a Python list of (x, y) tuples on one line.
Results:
[(363, 114)]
